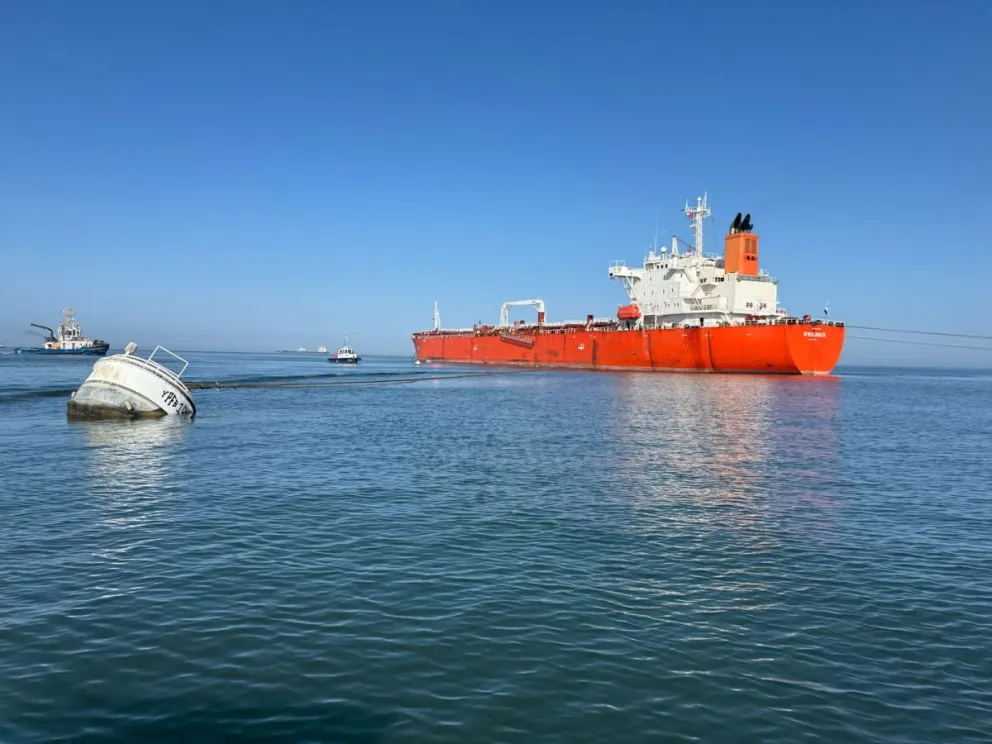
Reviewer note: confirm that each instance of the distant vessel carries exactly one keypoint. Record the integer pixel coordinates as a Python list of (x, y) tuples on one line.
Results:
[(303, 350), (67, 339), (127, 386), (686, 312), (344, 355)]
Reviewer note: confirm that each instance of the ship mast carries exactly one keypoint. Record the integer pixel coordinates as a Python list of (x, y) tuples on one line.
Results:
[(437, 318), (696, 216)]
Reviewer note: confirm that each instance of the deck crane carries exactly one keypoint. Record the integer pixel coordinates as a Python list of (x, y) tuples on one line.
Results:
[(504, 310), (51, 333)]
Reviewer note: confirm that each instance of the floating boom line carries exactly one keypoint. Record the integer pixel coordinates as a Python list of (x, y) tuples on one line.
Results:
[(312, 383), (301, 382)]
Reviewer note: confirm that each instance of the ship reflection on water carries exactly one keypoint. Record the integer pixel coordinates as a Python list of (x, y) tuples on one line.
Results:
[(131, 464), (734, 451)]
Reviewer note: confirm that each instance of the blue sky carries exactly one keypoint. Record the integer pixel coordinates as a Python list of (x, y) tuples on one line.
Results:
[(257, 175)]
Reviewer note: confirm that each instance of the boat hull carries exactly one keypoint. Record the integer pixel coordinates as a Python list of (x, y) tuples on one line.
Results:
[(123, 386), (783, 348), (95, 350), (356, 360)]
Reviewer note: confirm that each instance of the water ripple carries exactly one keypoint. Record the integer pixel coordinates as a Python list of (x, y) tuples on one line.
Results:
[(573, 557)]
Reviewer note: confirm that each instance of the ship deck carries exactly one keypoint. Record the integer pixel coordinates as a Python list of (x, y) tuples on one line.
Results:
[(607, 326)]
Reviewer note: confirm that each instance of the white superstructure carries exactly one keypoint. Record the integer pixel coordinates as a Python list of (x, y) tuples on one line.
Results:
[(345, 354), (691, 288), (69, 333)]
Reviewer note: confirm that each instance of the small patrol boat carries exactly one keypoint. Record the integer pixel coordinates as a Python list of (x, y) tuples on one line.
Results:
[(127, 386), (67, 339), (344, 355)]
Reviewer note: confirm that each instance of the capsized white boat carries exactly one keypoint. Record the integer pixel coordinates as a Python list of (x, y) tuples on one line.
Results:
[(127, 386)]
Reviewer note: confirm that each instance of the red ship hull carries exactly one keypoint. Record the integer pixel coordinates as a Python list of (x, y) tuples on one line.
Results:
[(798, 348)]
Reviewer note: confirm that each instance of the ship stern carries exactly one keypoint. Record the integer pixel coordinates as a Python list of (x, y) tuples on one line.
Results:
[(815, 348)]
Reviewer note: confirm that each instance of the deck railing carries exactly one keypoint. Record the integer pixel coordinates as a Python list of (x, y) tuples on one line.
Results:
[(175, 356), (157, 367)]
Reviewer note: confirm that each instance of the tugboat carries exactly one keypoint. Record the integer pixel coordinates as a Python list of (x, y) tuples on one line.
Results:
[(127, 386), (67, 339), (344, 355)]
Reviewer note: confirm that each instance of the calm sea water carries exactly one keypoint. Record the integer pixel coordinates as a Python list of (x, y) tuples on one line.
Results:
[(520, 557)]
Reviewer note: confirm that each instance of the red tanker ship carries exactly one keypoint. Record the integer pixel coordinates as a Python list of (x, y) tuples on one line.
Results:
[(687, 312)]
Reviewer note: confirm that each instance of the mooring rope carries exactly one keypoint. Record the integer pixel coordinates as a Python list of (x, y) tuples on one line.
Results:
[(921, 343), (924, 333)]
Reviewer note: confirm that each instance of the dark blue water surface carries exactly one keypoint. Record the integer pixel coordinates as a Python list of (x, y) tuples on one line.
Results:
[(517, 557)]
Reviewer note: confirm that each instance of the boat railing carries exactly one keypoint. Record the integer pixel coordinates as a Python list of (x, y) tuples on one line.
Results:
[(758, 278), (175, 356)]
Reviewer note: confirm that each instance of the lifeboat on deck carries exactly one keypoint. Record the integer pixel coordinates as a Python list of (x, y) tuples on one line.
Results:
[(629, 312)]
